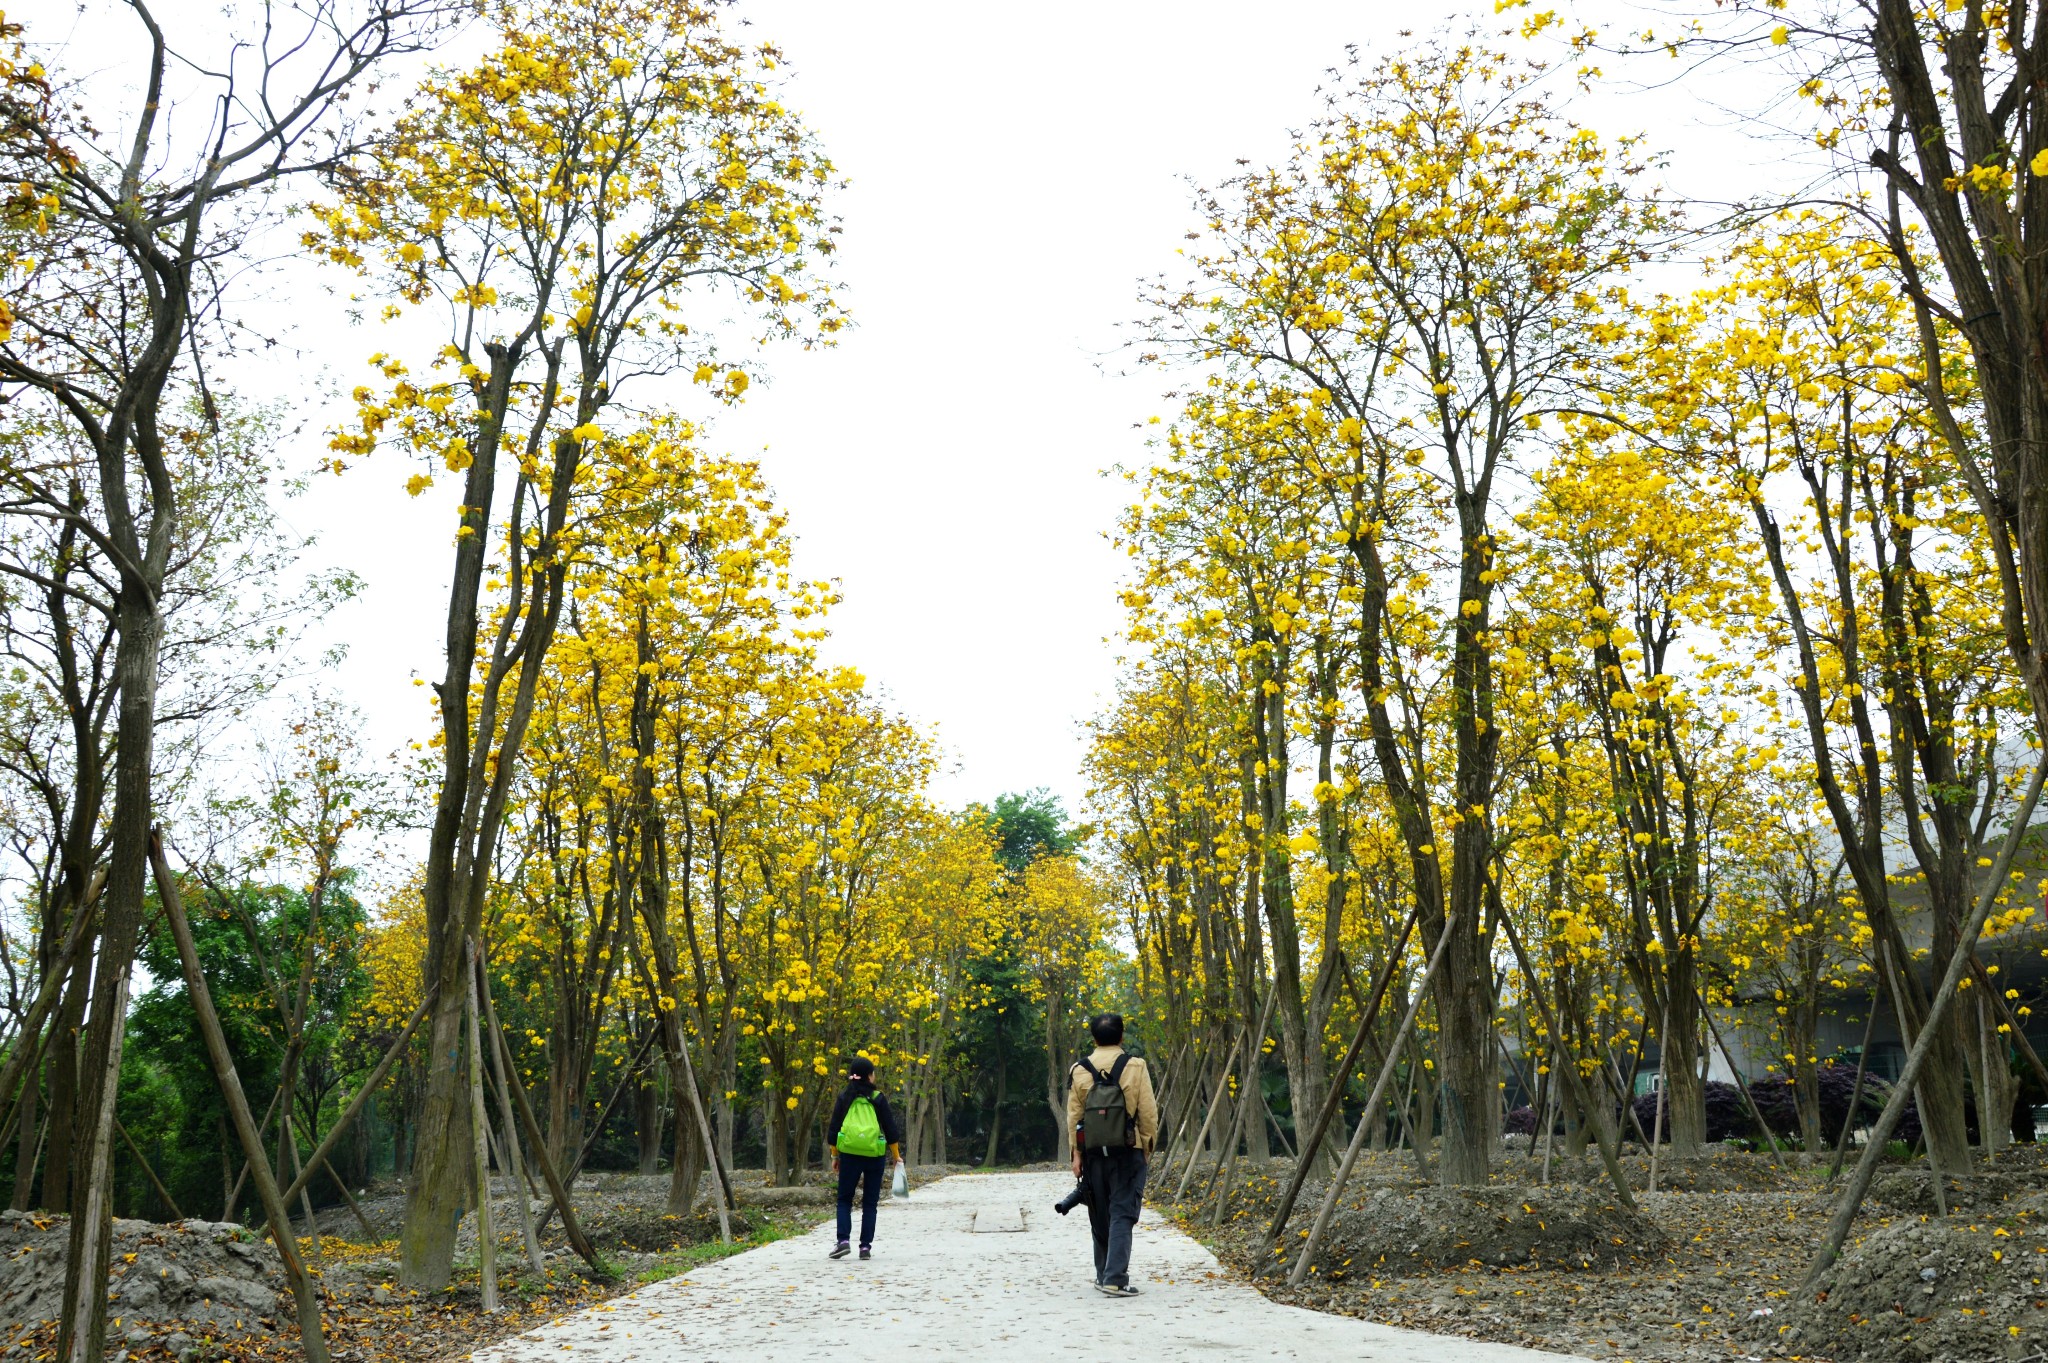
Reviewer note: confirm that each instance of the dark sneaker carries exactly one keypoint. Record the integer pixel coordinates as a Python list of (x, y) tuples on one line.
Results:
[(1116, 1289), (840, 1250), (866, 1253)]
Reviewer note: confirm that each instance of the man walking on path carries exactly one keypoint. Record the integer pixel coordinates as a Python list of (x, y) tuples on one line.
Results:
[(1115, 1122), (862, 1131)]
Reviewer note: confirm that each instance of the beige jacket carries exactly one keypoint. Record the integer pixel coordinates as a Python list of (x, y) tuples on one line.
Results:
[(1136, 1082)]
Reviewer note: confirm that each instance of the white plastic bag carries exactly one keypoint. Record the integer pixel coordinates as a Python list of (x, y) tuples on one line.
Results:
[(901, 1187)]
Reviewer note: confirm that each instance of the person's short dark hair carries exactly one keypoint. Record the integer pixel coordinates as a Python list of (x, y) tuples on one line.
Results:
[(1107, 1029), (860, 1067)]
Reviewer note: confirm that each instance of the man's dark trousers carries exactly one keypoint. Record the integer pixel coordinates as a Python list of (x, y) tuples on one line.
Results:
[(865, 1170), (1116, 1190)]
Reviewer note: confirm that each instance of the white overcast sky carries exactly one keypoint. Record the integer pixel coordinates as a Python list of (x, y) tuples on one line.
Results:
[(1015, 171)]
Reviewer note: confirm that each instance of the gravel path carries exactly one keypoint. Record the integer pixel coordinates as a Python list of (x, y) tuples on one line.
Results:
[(953, 1278)]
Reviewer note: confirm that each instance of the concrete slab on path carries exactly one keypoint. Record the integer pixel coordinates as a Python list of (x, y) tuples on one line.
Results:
[(937, 1289)]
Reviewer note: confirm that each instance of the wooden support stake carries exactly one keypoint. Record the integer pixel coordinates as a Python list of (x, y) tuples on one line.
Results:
[(1226, 1155), (604, 1115), (1570, 1067), (311, 1337), (2026, 1048), (480, 1145), (1663, 1053), (154, 1181), (515, 1163), (1938, 1180), (1216, 1092), (1856, 1089), (570, 1226), (1333, 1100), (291, 1145), (1748, 1100), (362, 1219), (1895, 1106), (1372, 1103), (325, 1150), (1553, 1108)]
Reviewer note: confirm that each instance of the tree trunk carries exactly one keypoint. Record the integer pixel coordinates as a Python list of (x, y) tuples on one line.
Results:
[(83, 1327), (437, 1195), (647, 1124), (688, 1168), (1058, 1072), (26, 1153), (1466, 1079), (728, 1082), (995, 1118), (1685, 1094), (1276, 890), (1991, 1074), (60, 1065), (1955, 1040), (775, 1137)]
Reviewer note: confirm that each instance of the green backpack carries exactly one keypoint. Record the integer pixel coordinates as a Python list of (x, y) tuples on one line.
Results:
[(861, 1131)]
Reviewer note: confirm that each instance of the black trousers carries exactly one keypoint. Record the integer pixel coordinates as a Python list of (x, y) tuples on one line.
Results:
[(865, 1170), (1116, 1190)]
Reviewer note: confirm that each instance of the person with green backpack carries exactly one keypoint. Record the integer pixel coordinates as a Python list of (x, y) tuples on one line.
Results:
[(862, 1135)]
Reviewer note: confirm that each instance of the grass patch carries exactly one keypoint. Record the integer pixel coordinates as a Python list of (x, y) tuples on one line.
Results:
[(683, 1258)]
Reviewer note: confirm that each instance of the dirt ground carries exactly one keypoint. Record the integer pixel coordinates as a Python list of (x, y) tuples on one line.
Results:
[(1709, 1270), (199, 1291)]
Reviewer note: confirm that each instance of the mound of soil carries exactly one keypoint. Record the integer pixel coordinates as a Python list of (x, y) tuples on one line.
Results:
[(1720, 1170), (209, 1277), (1912, 1190), (1389, 1230), (1924, 1290), (649, 1230)]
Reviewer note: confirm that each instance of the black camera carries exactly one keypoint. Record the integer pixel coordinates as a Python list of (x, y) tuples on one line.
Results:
[(1072, 1200)]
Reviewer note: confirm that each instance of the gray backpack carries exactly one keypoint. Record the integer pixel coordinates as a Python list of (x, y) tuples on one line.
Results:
[(1105, 1124)]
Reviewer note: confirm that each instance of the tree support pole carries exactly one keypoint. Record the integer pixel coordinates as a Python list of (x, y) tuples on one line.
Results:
[(2026, 1048), (570, 1226), (480, 1143), (1208, 1121), (1663, 1055), (1227, 1155), (369, 1231), (325, 1150), (1333, 1101), (1552, 1105), (1372, 1104), (1937, 1182), (311, 1338), (1877, 992), (1895, 1106), (515, 1163), (143, 1160), (704, 1130), (604, 1115), (1570, 1068), (291, 1146), (1748, 1100)]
